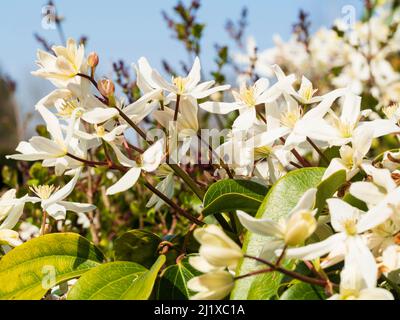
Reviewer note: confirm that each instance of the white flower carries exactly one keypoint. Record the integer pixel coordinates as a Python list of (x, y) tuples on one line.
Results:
[(76, 101), (187, 86), (53, 201), (217, 251), (292, 231), (62, 68), (11, 210), (247, 99), (352, 157), (305, 94), (211, 286), (150, 160), (382, 191), (292, 120), (354, 287), (41, 148), (349, 223), (340, 130)]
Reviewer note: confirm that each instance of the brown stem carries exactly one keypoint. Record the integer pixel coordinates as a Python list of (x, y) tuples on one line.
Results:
[(178, 99), (43, 227), (172, 204), (293, 274), (91, 79), (132, 124), (278, 262), (297, 155), (88, 162), (294, 164), (318, 150)]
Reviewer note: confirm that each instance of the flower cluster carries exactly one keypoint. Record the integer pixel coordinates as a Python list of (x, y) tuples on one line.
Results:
[(278, 123)]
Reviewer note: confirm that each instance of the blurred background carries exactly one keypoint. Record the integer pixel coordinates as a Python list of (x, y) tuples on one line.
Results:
[(126, 30)]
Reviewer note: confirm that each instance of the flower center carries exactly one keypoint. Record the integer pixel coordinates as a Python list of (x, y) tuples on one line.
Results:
[(290, 118), (307, 93), (345, 129), (262, 152), (44, 191), (248, 98), (180, 84), (350, 226), (68, 107)]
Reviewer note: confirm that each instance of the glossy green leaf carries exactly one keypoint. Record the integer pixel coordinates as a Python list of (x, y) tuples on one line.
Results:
[(355, 202), (303, 291), (138, 246), (119, 280), (328, 187), (173, 282), (226, 195), (28, 271), (281, 198), (329, 153)]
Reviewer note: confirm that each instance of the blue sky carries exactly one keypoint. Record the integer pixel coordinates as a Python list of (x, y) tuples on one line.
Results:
[(131, 29)]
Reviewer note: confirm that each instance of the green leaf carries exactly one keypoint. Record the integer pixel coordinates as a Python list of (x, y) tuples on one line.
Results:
[(138, 246), (226, 195), (173, 282), (328, 187), (303, 291), (281, 198), (355, 202), (26, 271), (118, 280), (329, 153)]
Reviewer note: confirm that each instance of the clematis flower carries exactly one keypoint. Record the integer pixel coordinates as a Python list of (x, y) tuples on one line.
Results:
[(247, 99), (143, 107), (292, 120), (382, 191), (305, 94), (61, 69), (149, 161), (52, 199), (351, 158), (11, 210), (340, 130), (217, 251), (41, 148), (354, 287), (211, 286), (76, 102), (348, 242), (186, 86), (101, 133), (292, 231)]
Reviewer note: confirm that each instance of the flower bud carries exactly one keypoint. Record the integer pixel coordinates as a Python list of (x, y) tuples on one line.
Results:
[(106, 87), (217, 248), (211, 286), (93, 60), (299, 227)]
